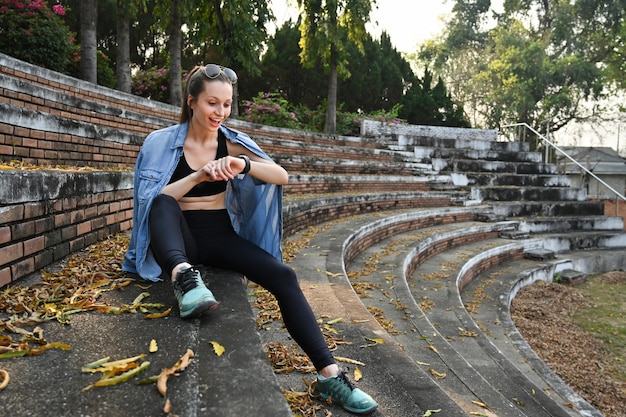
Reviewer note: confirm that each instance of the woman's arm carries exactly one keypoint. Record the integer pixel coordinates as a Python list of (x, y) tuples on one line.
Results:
[(266, 171)]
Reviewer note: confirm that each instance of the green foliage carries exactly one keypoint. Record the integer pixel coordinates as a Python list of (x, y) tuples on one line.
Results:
[(272, 109), (32, 31), (152, 83), (542, 61)]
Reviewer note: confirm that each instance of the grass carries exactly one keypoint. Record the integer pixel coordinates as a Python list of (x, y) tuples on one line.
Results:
[(605, 318)]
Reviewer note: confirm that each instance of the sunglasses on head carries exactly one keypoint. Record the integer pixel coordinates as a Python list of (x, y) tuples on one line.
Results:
[(212, 71)]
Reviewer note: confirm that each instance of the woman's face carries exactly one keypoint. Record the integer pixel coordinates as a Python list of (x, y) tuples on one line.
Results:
[(213, 104)]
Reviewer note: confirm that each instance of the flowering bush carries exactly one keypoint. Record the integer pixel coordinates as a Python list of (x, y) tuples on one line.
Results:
[(35, 33), (270, 109), (349, 124), (152, 83)]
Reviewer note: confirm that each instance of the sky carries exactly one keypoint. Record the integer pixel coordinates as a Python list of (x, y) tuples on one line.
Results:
[(407, 22)]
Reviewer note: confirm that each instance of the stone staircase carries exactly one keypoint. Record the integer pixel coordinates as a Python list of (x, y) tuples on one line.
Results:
[(414, 272)]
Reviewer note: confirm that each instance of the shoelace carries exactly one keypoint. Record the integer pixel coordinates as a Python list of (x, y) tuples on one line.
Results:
[(342, 377), (188, 280)]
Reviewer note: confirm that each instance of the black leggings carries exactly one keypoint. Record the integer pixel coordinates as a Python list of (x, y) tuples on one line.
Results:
[(207, 237)]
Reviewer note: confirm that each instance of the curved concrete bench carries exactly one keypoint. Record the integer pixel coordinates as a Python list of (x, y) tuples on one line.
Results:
[(464, 378)]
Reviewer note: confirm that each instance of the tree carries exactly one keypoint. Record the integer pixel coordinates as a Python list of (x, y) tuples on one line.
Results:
[(175, 49), (89, 40), (126, 10), (540, 63), (230, 33), (320, 39)]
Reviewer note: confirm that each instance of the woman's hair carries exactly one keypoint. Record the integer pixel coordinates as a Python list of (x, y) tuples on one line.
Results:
[(194, 86)]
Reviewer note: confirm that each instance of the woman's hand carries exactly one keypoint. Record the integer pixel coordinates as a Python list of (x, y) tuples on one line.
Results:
[(222, 169)]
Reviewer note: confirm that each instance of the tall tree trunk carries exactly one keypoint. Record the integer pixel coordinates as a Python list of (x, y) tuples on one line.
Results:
[(226, 33), (88, 40), (175, 47), (330, 126), (122, 62)]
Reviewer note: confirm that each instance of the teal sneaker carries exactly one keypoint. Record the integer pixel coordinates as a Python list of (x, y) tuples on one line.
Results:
[(194, 298), (339, 390)]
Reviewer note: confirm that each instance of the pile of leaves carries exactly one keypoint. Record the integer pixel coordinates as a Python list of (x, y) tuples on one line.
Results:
[(75, 288), (545, 314)]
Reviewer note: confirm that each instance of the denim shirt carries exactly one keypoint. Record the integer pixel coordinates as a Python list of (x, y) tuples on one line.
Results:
[(255, 207)]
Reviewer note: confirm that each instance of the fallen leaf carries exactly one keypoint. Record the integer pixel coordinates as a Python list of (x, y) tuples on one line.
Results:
[(483, 405), (180, 365), (429, 413), (158, 315), (348, 360), (167, 408), (5, 379), (437, 375), (334, 321), (153, 346), (218, 349), (431, 347), (357, 374), (331, 274)]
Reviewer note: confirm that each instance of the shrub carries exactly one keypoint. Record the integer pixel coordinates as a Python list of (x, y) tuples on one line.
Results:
[(271, 109), (35, 33), (152, 83)]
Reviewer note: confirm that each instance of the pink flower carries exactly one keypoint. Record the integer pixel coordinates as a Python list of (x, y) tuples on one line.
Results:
[(58, 9), (36, 4)]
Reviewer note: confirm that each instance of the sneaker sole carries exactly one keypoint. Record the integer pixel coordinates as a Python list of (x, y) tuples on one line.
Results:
[(200, 309), (351, 410)]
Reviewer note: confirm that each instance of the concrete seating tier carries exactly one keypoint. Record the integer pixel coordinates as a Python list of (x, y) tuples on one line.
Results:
[(422, 271)]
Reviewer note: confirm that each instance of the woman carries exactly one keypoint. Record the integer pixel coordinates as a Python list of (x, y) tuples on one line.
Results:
[(207, 194)]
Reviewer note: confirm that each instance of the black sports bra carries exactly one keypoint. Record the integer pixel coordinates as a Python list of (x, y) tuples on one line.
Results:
[(204, 188)]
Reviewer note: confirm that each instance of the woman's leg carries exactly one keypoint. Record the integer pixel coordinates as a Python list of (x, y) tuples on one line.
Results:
[(229, 251), (174, 248), (170, 238)]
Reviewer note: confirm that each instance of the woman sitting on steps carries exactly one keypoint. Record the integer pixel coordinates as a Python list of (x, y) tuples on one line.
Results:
[(207, 194)]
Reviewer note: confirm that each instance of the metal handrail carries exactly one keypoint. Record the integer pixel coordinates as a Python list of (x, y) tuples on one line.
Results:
[(568, 157)]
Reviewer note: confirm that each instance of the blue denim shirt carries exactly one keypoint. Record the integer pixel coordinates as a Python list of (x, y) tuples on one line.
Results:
[(255, 207)]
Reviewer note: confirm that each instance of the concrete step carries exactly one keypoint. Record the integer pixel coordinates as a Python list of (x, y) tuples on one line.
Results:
[(408, 142), (515, 209), (489, 295), (467, 165), (513, 193), (211, 385), (504, 179), (570, 223), (426, 154), (423, 316)]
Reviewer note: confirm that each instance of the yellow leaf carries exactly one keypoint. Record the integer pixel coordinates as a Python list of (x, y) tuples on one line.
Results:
[(5, 379), (334, 321), (437, 375), (357, 374), (377, 340), (431, 347), (483, 405), (219, 349), (348, 360), (422, 363), (158, 315), (167, 408), (153, 346), (429, 413), (331, 274)]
